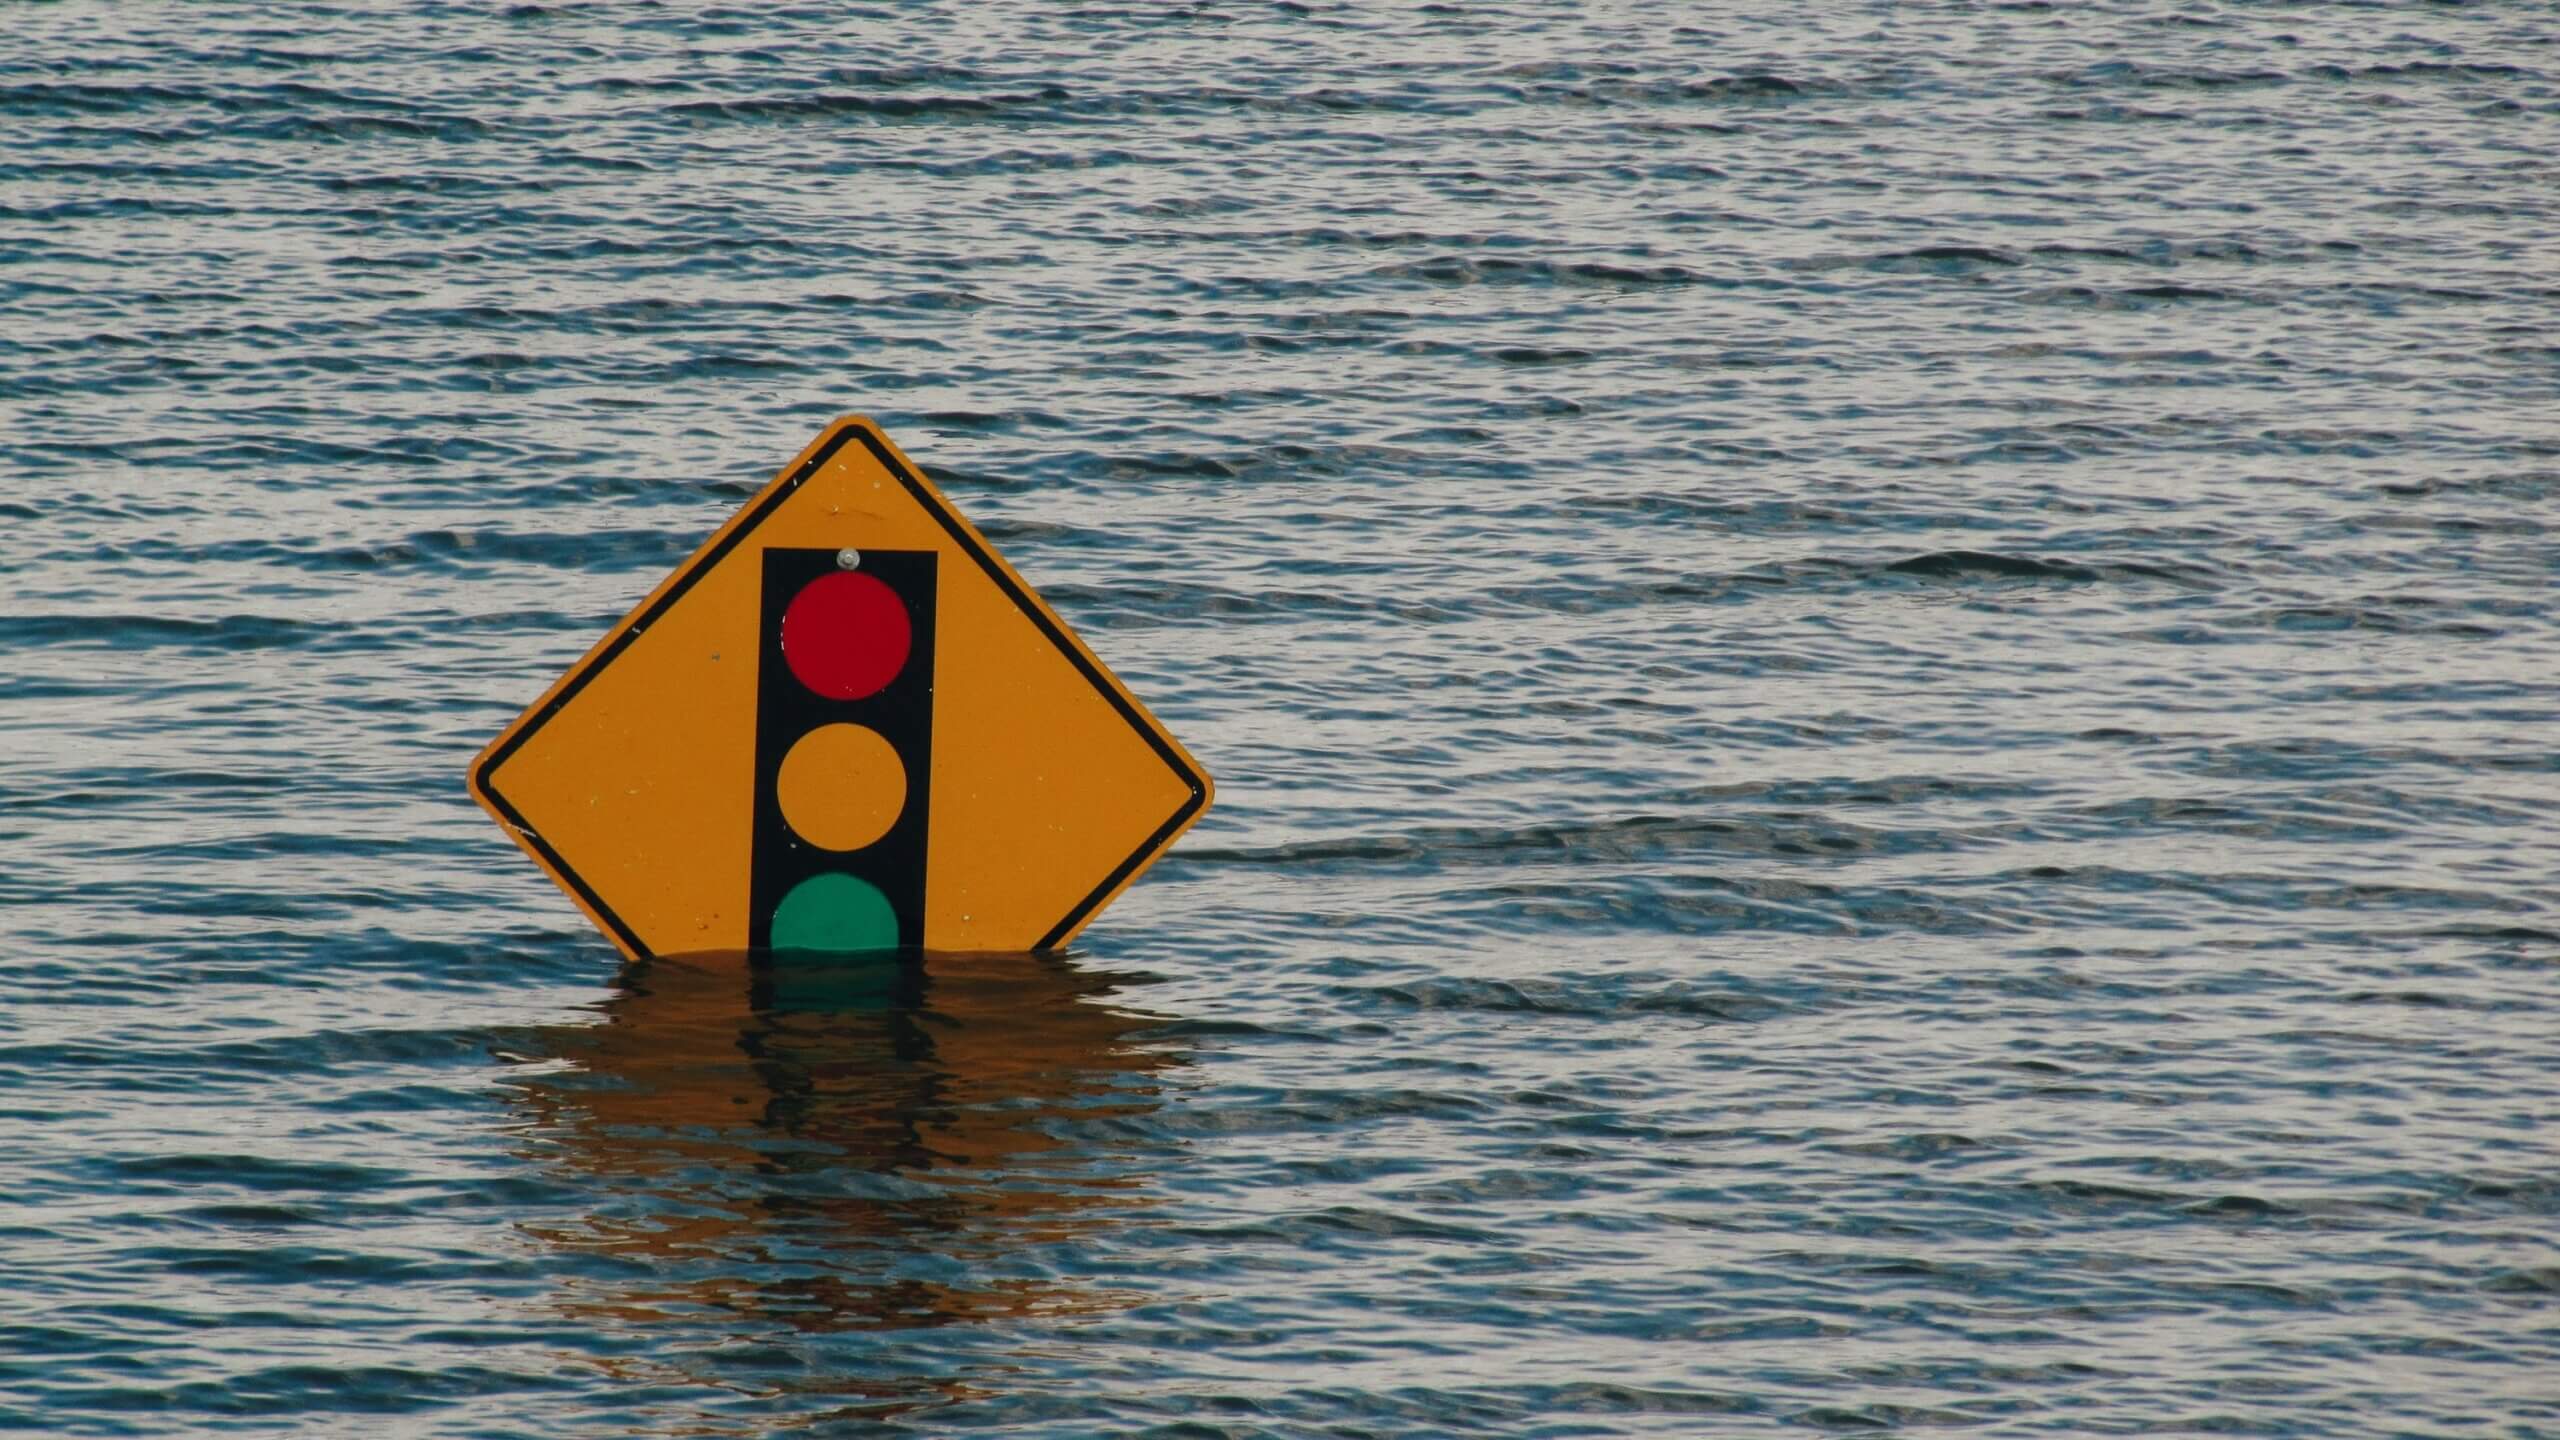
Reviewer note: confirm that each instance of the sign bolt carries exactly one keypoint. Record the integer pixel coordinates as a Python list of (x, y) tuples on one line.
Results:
[(848, 558)]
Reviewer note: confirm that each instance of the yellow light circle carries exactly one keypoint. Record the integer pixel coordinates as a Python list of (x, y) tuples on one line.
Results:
[(842, 787)]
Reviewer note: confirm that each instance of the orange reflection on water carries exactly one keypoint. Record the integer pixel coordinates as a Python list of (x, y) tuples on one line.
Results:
[(874, 1146)]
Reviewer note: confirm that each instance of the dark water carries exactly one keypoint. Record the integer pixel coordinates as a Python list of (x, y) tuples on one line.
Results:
[(1883, 680)]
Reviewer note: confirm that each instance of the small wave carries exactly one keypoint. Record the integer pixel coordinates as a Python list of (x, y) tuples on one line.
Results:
[(120, 631), (887, 107), (93, 98), (1617, 998), (2169, 77), (1503, 270), (1716, 90), (1944, 257), (1985, 564)]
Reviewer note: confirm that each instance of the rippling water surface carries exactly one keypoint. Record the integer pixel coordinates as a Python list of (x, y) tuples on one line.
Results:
[(1883, 679)]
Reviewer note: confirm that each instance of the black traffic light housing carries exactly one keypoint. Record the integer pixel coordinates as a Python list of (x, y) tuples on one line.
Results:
[(901, 712)]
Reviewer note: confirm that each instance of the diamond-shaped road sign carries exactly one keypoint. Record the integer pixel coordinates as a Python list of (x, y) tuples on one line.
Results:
[(844, 724)]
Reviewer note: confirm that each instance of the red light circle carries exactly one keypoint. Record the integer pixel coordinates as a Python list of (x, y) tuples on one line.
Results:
[(846, 635)]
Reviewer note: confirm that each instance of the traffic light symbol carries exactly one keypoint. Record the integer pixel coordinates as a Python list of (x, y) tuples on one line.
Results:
[(844, 750)]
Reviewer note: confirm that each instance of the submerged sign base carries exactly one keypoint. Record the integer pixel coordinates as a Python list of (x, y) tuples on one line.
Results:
[(843, 724)]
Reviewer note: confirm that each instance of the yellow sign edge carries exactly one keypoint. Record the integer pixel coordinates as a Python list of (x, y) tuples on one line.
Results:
[(849, 427)]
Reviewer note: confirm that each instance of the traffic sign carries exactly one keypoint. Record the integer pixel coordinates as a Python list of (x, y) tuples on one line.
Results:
[(844, 724)]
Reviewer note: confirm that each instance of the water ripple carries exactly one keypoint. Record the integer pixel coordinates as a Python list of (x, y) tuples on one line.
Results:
[(1881, 685)]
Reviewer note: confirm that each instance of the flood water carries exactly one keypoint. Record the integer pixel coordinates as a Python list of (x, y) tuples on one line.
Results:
[(1882, 678)]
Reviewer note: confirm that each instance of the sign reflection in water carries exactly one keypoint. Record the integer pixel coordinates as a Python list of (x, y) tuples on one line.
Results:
[(802, 1151)]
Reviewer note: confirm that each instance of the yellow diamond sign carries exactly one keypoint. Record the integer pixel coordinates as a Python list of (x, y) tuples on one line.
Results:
[(844, 724)]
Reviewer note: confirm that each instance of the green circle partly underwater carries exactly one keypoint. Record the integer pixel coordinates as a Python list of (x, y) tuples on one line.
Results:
[(836, 913)]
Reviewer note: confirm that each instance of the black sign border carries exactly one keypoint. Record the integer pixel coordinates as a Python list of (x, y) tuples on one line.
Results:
[(484, 776)]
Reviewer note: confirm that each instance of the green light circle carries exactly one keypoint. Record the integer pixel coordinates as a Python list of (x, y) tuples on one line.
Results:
[(835, 913)]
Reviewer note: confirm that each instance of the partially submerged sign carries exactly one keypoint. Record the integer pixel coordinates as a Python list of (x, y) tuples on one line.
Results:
[(844, 724)]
